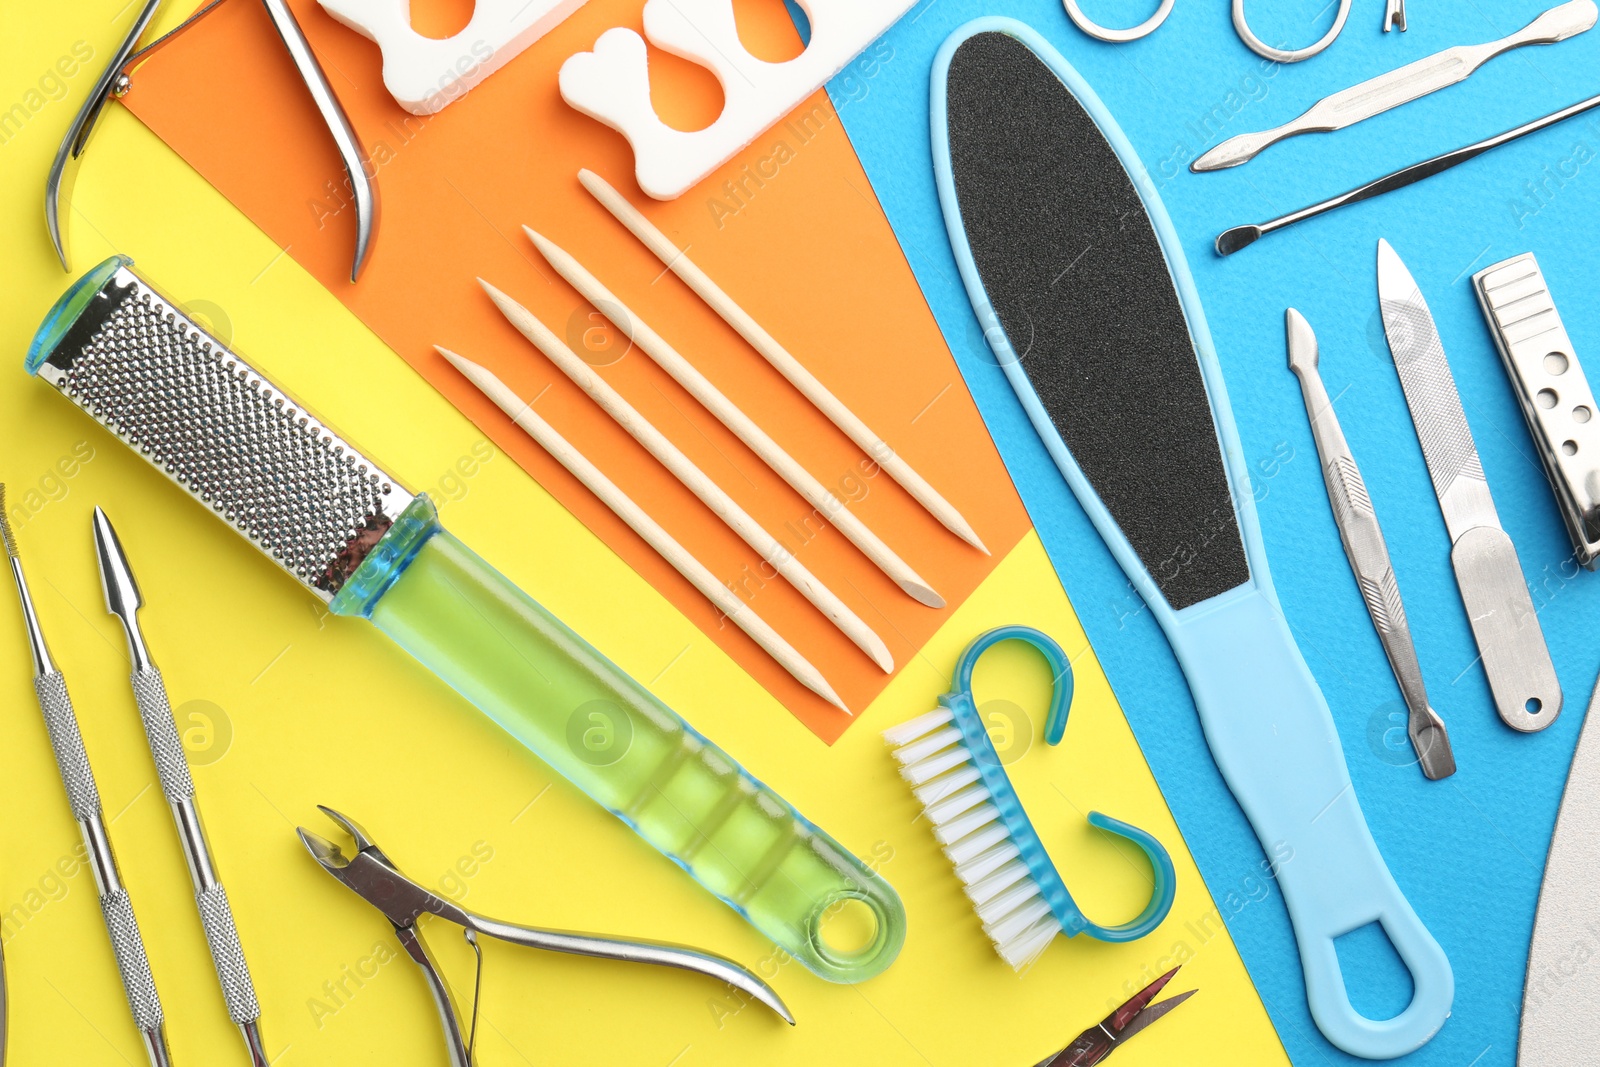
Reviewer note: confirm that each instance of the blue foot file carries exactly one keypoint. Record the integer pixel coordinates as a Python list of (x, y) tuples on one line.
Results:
[(1080, 284)]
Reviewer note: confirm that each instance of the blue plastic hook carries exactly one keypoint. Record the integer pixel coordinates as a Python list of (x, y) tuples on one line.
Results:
[(987, 761)]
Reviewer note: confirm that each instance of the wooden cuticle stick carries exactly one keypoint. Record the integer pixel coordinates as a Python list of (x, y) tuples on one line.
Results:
[(693, 478), (729, 414), (623, 506), (758, 338)]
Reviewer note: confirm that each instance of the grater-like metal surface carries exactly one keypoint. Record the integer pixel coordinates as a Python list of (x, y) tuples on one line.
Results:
[(225, 433)]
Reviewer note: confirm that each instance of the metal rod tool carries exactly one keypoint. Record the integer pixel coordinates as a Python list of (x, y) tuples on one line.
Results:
[(1552, 389), (84, 797), (1402, 85), (1230, 241), (1367, 552), (124, 600), (1510, 640)]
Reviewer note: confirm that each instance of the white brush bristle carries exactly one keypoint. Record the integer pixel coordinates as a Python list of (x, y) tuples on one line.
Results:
[(934, 760)]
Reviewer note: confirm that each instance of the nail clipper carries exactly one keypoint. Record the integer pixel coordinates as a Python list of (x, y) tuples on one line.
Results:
[(1552, 391), (373, 877)]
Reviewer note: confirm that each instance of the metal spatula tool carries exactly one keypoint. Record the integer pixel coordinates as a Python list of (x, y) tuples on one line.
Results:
[(1523, 680)]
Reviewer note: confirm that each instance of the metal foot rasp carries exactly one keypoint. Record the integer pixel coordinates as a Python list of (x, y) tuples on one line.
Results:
[(360, 542), (1079, 282), (1527, 693)]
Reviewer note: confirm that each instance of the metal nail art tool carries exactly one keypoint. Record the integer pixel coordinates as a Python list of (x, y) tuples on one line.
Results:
[(373, 877), (123, 599), (355, 538), (1510, 640), (1402, 85), (1394, 16), (1367, 552), (84, 797), (1230, 241), (1552, 390), (115, 81)]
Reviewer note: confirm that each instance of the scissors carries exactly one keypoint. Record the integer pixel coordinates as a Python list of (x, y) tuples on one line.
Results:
[(374, 878), (1110, 1033)]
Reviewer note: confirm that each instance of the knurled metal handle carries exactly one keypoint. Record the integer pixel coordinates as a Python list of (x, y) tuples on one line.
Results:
[(216, 915), (132, 962), (67, 741), (165, 746)]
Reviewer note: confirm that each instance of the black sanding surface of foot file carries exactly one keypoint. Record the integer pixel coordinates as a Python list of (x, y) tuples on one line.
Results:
[(1073, 267)]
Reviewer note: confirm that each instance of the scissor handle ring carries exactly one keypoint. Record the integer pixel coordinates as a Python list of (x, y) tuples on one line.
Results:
[(1060, 670)]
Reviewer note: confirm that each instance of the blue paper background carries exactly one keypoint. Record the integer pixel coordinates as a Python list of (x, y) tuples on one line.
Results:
[(1469, 851)]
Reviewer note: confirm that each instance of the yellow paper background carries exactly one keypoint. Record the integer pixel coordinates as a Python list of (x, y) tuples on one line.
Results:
[(286, 707)]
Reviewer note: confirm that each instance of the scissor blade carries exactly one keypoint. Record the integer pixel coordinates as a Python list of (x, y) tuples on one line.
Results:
[(1151, 1014)]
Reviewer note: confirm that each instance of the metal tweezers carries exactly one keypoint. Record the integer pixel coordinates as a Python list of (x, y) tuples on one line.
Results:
[(374, 878), (114, 82)]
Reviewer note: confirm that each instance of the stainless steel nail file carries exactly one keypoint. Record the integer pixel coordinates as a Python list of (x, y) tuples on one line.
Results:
[(1523, 680), (1552, 389), (1367, 552), (1561, 994), (83, 795), (1078, 280), (124, 600), (1401, 85)]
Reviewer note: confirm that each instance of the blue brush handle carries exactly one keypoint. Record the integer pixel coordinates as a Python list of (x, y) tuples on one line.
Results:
[(1273, 738)]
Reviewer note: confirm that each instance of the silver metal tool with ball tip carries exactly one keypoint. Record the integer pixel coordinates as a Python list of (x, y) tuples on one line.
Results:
[(1367, 552), (1510, 640), (124, 600), (84, 796)]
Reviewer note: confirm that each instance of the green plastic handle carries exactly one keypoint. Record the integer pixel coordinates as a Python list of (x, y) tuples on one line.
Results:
[(604, 732)]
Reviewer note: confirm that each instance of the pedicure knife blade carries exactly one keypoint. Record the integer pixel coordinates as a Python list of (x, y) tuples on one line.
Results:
[(1493, 590), (1368, 553)]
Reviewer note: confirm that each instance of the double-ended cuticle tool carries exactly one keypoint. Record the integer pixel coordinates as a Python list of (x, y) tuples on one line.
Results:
[(1401, 85), (356, 539), (123, 599), (84, 797), (115, 81), (1367, 552), (373, 877)]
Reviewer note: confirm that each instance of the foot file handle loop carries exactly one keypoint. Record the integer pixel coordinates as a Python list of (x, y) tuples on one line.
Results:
[(1273, 738)]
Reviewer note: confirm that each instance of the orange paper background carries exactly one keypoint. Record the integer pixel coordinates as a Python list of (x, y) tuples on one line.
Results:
[(806, 250)]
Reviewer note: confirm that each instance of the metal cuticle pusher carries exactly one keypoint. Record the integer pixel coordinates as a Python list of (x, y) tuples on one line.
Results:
[(84, 796), (124, 600)]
